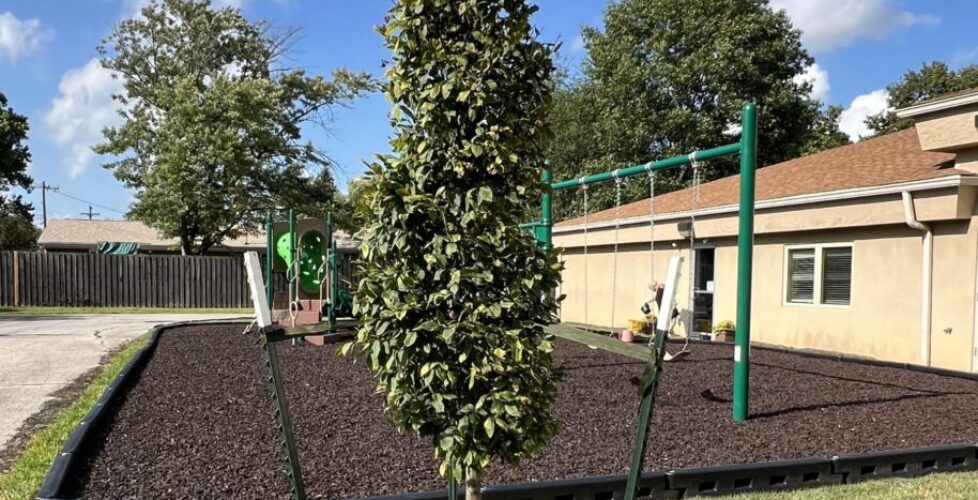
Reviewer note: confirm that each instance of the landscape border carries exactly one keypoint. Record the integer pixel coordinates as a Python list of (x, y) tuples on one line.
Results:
[(678, 483)]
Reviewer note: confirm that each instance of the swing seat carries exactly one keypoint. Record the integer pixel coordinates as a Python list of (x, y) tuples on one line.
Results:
[(676, 357)]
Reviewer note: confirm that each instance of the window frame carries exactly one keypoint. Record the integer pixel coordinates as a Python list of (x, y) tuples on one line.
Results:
[(819, 281)]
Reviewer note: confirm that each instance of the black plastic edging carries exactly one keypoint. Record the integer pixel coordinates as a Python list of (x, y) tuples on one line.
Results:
[(66, 461), (741, 478)]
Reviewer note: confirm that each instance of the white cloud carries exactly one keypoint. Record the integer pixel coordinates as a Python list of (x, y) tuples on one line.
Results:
[(20, 38), (852, 119), (819, 80), (829, 24), (79, 113)]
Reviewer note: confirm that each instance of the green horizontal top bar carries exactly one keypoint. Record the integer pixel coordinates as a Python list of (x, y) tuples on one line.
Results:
[(675, 161)]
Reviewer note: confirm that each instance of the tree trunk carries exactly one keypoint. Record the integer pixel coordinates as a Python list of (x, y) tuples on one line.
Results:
[(473, 486)]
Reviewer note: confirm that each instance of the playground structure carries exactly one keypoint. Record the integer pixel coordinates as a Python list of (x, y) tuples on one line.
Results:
[(305, 251), (747, 149)]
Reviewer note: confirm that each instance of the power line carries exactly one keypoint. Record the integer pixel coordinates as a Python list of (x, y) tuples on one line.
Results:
[(62, 193)]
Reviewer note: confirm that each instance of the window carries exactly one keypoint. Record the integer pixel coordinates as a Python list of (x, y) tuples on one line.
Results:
[(801, 280), (819, 275)]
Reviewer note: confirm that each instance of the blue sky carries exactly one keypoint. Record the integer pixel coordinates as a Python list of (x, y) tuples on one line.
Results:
[(48, 72)]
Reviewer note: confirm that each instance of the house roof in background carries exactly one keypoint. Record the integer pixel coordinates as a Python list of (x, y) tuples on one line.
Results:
[(86, 233), (889, 159), (940, 103)]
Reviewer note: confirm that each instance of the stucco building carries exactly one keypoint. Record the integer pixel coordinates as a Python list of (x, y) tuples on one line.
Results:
[(869, 249)]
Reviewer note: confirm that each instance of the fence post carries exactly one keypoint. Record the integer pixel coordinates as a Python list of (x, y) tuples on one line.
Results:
[(16, 273)]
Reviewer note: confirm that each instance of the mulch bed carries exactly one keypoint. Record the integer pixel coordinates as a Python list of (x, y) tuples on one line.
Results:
[(198, 423)]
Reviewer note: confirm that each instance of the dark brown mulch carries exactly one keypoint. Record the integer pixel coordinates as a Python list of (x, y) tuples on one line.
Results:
[(198, 422)]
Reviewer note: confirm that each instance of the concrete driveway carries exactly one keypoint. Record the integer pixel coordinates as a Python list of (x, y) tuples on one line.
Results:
[(41, 354)]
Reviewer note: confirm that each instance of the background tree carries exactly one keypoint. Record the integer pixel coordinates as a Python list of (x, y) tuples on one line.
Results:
[(454, 294), (932, 80), (17, 230), (825, 132), (666, 77), (211, 137)]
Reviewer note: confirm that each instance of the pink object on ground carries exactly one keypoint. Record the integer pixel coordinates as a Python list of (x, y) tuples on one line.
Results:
[(627, 336)]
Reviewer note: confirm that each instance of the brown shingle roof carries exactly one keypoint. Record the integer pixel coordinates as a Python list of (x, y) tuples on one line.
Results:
[(887, 159), (88, 233)]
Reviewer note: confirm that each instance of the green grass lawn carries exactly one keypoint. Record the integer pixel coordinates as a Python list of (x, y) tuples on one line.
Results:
[(24, 476), (37, 311), (958, 486)]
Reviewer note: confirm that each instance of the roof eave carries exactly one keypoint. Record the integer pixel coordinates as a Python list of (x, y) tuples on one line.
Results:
[(927, 108), (789, 201)]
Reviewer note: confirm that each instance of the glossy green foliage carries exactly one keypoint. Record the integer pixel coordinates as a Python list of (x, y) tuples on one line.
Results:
[(454, 295)]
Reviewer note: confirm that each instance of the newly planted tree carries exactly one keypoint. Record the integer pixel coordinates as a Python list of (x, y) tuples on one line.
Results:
[(454, 296)]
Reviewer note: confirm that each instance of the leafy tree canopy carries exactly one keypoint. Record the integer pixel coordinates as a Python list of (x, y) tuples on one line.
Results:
[(211, 137), (667, 77), (454, 294), (17, 230), (930, 81)]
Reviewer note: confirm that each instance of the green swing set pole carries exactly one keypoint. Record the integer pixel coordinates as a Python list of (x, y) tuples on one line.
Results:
[(745, 262), (544, 229), (675, 161)]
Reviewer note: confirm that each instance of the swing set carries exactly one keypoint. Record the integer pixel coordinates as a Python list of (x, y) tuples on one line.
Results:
[(746, 148)]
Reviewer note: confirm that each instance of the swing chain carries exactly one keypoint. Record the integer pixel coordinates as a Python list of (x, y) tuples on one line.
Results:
[(584, 189), (651, 173), (694, 205), (614, 258)]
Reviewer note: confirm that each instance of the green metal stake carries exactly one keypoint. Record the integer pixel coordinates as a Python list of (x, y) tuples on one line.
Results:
[(452, 485), (282, 419), (649, 385), (745, 256)]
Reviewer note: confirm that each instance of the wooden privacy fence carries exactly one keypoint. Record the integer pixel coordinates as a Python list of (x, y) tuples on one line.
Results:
[(93, 280)]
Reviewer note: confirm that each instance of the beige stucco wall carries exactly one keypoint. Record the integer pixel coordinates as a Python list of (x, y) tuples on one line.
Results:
[(952, 325), (630, 276), (948, 130), (883, 319)]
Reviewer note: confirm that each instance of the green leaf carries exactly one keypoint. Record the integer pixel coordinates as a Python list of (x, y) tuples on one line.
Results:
[(485, 194), (410, 338), (489, 426)]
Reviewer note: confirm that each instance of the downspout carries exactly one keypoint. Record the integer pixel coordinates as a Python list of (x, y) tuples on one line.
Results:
[(927, 284)]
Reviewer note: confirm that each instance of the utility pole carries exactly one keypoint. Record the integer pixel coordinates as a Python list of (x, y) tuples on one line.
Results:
[(44, 200), (89, 213)]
